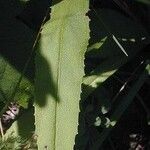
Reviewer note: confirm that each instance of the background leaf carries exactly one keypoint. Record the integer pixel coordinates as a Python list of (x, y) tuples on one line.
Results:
[(16, 41)]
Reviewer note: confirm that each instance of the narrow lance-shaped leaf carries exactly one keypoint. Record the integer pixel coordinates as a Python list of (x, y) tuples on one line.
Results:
[(59, 72)]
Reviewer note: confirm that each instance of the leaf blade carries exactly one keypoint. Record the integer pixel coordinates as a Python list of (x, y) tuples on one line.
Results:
[(64, 40)]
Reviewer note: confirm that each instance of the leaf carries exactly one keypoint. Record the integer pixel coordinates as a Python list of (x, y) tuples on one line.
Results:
[(59, 72), (16, 41), (9, 77), (11, 142), (97, 45), (94, 81)]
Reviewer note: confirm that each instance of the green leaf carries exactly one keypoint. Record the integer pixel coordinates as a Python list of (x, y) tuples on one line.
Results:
[(11, 142), (9, 77), (94, 81), (97, 45), (16, 42), (59, 72)]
